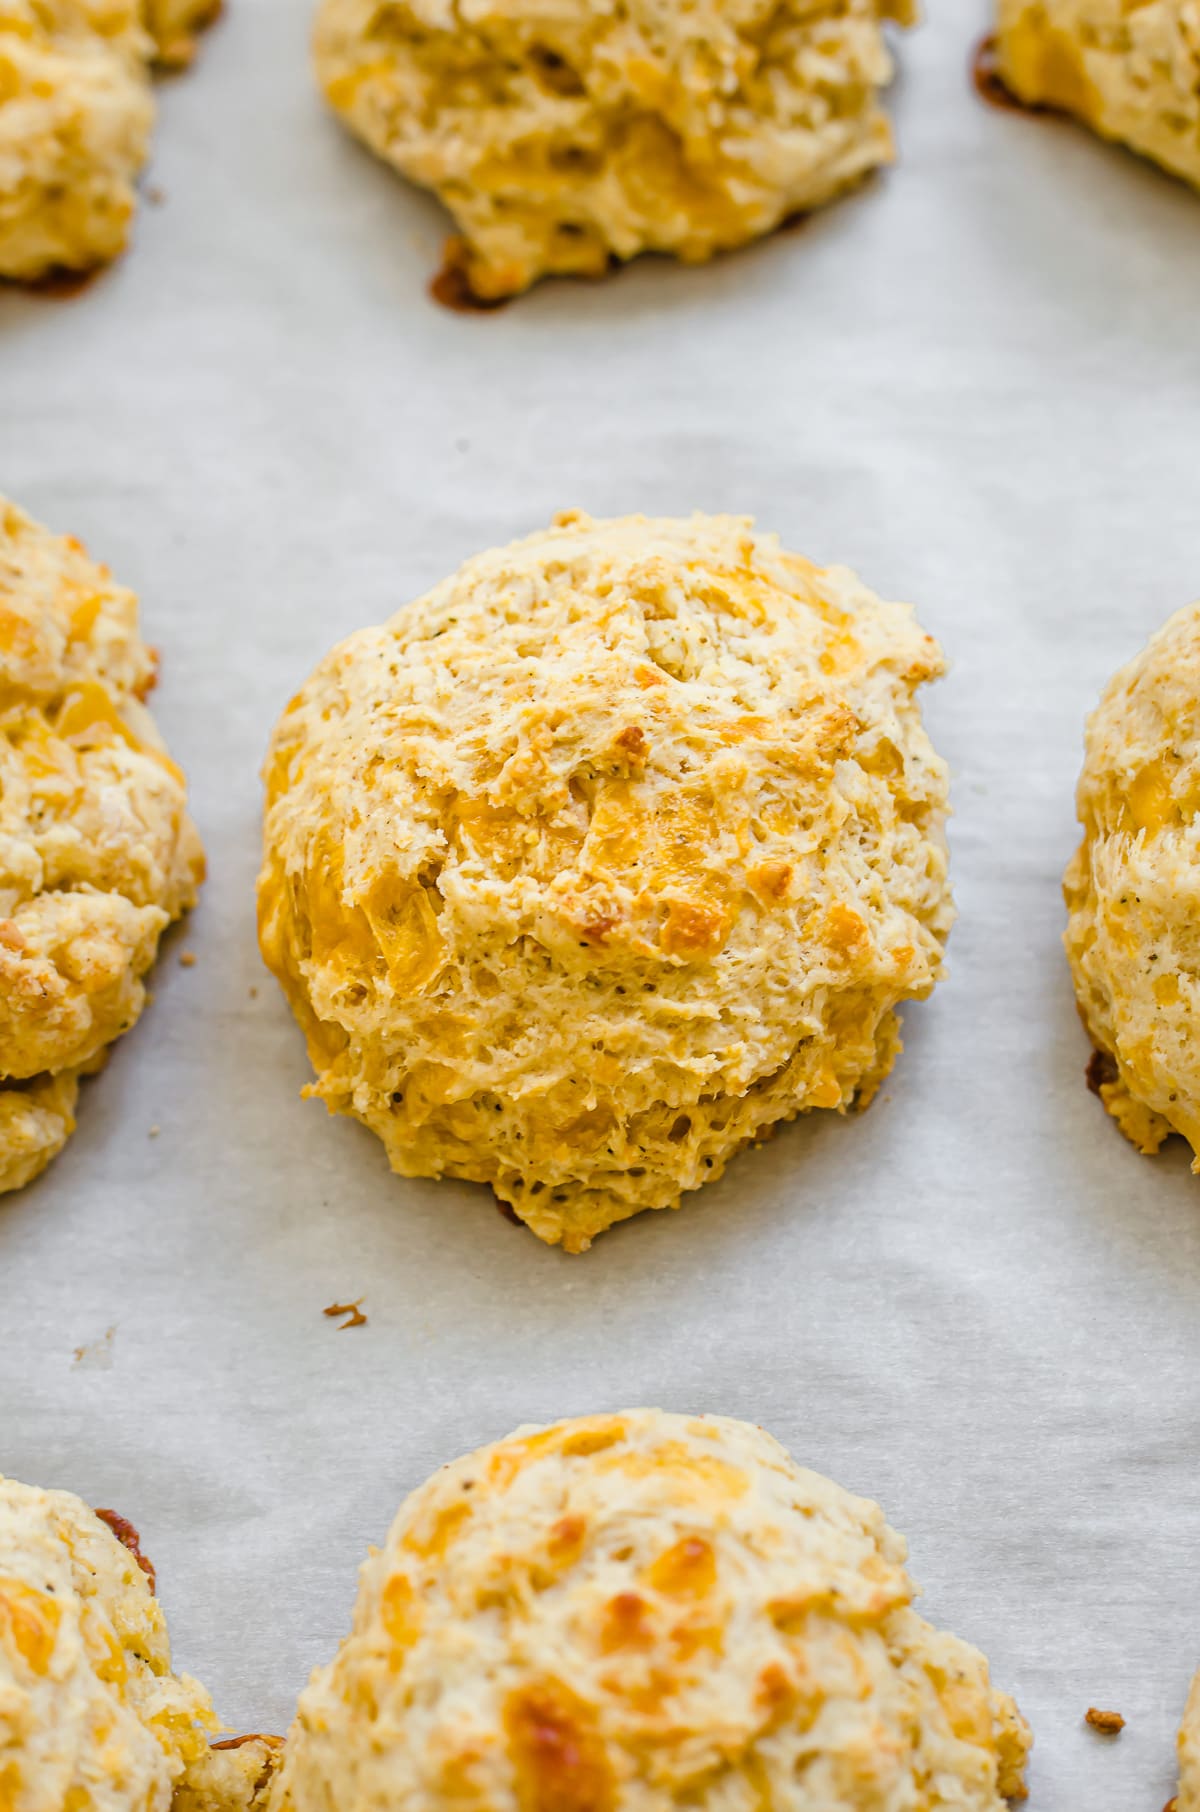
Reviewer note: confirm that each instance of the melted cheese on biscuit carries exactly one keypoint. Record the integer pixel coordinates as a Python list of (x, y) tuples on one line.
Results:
[(616, 849)]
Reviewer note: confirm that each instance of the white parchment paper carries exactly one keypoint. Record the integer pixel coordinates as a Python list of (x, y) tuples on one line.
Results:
[(978, 382)]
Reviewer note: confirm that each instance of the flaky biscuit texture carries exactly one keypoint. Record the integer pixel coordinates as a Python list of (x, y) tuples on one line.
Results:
[(1133, 888), (97, 853), (1130, 68), (637, 1612), (563, 134), (76, 111), (234, 1775), (614, 850), (92, 1719)]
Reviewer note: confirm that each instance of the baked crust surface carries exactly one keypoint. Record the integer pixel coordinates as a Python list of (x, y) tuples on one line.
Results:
[(97, 853), (76, 109), (616, 849), (564, 134), (637, 1612), (1130, 68)]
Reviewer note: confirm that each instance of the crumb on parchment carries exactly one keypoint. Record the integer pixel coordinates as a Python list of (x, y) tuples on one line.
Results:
[(1111, 1723), (352, 1310)]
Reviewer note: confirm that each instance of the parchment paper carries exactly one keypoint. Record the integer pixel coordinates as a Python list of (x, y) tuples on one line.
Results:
[(977, 382)]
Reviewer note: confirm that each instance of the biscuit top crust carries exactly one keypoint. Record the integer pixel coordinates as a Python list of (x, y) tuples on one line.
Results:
[(608, 825), (91, 1717), (97, 853), (76, 111), (1189, 1752), (564, 133), (645, 1611), (1133, 886)]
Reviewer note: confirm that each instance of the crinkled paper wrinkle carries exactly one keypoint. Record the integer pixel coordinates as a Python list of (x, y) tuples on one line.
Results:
[(563, 134), (615, 850), (91, 1715), (76, 110)]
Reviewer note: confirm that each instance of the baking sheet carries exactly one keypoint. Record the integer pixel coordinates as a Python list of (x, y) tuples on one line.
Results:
[(978, 382)]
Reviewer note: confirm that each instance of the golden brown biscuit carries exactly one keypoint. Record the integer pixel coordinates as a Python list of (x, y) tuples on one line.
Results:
[(1189, 1753), (610, 853), (75, 116), (1133, 889), (639, 1612), (1132, 71), (562, 134), (91, 1716), (97, 853)]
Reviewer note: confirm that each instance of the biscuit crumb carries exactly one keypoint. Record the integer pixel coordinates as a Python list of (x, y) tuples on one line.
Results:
[(1110, 1722), (254, 993), (187, 959), (1135, 85), (154, 1131), (655, 926), (589, 1527), (77, 936), (353, 1310), (645, 127)]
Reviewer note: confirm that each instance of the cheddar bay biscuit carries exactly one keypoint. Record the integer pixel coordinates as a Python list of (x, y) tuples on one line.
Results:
[(76, 110), (614, 850), (97, 853), (1133, 889), (1131, 71), (638, 1612), (91, 1715), (563, 134)]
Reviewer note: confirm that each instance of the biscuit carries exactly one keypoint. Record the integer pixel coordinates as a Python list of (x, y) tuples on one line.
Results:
[(565, 136), (1189, 1753), (1132, 72), (91, 1715), (1133, 889), (231, 1776), (75, 116), (616, 849), (97, 853), (641, 1611)]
